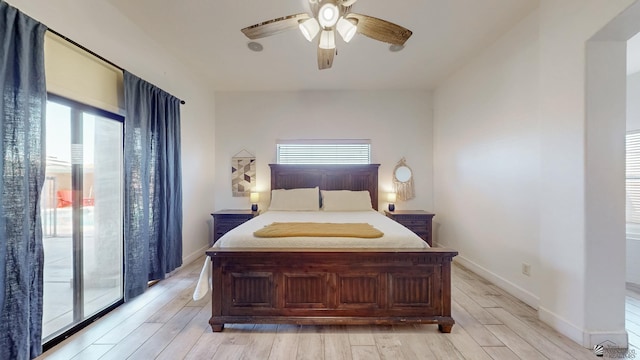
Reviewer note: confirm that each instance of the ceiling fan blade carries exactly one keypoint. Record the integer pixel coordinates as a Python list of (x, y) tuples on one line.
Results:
[(346, 2), (325, 58), (274, 26), (381, 30)]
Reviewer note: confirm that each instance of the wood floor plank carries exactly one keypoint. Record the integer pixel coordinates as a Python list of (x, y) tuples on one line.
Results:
[(365, 352), (152, 347), (483, 297), (360, 335), (229, 352), (237, 334), (390, 344), (440, 346), (634, 339), (414, 341), (632, 318), (633, 298), (260, 342), (476, 330), (310, 343), (180, 346), (93, 352), (168, 311), (475, 310), (131, 343), (632, 308), (514, 305), (542, 344), (500, 297), (465, 344), (285, 344), (133, 321), (514, 342), (205, 347), (336, 343), (501, 353)]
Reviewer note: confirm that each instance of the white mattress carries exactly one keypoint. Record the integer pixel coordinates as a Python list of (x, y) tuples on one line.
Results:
[(395, 235)]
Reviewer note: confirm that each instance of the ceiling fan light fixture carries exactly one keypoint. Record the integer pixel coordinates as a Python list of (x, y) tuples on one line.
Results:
[(346, 29), (309, 28), (328, 15), (327, 39)]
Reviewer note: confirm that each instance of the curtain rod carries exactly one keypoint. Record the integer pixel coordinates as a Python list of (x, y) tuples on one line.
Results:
[(94, 54)]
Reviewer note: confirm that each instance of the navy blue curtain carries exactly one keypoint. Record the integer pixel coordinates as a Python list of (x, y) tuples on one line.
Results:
[(153, 184), (23, 101)]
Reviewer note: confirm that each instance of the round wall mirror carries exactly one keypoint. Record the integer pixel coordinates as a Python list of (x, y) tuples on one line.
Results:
[(403, 173), (403, 181)]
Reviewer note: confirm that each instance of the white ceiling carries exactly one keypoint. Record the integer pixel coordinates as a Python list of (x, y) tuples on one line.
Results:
[(205, 34)]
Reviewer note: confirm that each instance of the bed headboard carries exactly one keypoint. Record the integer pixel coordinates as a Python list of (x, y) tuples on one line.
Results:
[(327, 177)]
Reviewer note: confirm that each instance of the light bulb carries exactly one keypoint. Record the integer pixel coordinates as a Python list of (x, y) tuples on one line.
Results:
[(328, 15)]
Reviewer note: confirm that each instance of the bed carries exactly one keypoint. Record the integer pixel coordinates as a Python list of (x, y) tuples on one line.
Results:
[(290, 282)]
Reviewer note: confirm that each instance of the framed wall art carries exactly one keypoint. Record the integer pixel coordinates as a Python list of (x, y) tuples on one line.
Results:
[(243, 173)]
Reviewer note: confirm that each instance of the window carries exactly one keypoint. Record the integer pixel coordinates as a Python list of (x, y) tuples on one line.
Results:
[(633, 184), (324, 152)]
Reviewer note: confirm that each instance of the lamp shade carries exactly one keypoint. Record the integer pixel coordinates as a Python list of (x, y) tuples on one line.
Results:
[(391, 197), (309, 28), (346, 29), (327, 39), (254, 197)]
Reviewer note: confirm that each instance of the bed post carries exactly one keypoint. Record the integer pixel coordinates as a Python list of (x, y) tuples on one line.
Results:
[(216, 294), (446, 293)]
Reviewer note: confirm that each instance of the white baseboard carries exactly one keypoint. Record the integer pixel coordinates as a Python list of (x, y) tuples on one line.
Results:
[(615, 339), (186, 260), (588, 339), (561, 325), (513, 289)]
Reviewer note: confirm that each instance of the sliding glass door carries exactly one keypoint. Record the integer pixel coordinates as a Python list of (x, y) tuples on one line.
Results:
[(82, 215)]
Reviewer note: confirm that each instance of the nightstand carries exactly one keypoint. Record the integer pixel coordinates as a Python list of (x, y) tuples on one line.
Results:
[(418, 221), (225, 220)]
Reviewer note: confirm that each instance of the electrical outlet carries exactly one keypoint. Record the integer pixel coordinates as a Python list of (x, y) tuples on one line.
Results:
[(526, 269)]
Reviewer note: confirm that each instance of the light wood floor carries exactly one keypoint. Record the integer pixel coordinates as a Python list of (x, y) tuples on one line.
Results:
[(632, 322), (165, 323)]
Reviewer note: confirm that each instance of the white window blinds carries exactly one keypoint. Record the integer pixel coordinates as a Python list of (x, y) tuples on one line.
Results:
[(324, 152), (633, 177)]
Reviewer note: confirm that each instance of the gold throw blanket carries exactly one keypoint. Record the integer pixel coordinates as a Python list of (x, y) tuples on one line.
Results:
[(311, 229)]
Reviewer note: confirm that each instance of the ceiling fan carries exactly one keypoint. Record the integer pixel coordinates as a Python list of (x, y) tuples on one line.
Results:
[(329, 16)]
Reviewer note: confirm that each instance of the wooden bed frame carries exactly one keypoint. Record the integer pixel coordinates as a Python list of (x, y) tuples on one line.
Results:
[(331, 286)]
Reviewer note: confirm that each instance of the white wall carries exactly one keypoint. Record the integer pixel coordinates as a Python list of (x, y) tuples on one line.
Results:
[(487, 161), (99, 27), (575, 262), (569, 176), (399, 124)]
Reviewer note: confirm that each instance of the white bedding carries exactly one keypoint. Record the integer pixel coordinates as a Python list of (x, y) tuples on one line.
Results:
[(395, 235)]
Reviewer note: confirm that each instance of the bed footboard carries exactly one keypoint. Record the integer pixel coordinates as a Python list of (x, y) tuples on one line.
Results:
[(341, 286)]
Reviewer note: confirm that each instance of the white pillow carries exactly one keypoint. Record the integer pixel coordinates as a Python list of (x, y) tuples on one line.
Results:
[(295, 199), (346, 200)]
